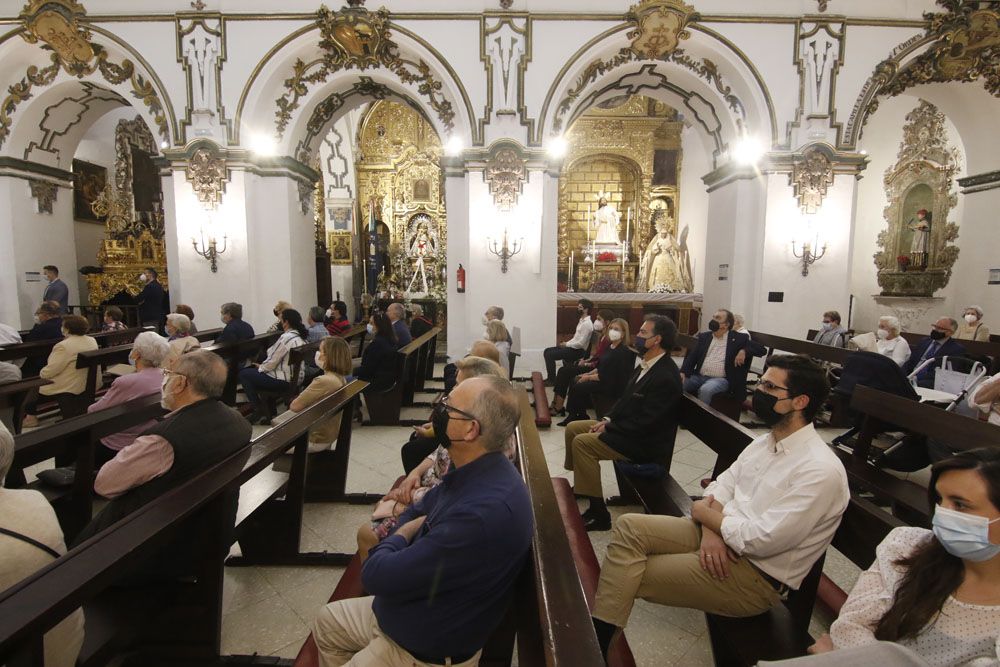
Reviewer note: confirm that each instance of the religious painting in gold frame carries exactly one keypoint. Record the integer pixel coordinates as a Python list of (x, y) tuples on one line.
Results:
[(339, 246), (89, 181)]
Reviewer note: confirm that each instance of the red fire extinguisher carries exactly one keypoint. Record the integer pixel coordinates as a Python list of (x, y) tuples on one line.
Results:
[(460, 280)]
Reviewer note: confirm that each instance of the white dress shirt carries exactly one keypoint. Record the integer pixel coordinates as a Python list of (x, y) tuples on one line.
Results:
[(782, 503), (581, 339), (646, 365)]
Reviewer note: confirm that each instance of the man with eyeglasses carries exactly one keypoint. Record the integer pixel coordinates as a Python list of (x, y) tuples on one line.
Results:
[(198, 432), (441, 583), (757, 531), (939, 344)]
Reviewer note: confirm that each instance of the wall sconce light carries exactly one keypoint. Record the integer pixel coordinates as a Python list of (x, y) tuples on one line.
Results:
[(210, 251), (504, 251), (808, 255)]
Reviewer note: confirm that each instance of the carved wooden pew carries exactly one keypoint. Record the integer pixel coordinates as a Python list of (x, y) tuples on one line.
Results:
[(177, 622), (236, 354), (384, 406)]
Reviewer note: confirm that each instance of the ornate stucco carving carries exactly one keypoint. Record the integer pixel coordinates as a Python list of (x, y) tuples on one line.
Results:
[(44, 193), (355, 38), (921, 178), (206, 171), (811, 176), (966, 47), (659, 26), (506, 174)]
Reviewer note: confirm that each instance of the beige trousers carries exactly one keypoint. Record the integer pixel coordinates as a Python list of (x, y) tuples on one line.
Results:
[(347, 633), (656, 558), (584, 453)]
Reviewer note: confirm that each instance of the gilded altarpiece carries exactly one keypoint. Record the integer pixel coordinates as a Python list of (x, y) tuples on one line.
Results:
[(399, 168), (133, 238), (916, 253), (613, 151)]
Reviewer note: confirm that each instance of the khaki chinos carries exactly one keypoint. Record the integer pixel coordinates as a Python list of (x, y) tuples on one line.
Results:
[(347, 633), (656, 558), (584, 453)]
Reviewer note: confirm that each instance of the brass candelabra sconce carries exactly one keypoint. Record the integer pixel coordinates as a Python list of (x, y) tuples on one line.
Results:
[(210, 250), (504, 250), (808, 254)]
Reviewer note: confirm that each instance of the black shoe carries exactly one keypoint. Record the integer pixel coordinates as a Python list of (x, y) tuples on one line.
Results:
[(550, 383), (597, 522), (572, 418)]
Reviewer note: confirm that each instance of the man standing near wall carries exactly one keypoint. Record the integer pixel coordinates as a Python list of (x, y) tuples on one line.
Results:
[(150, 300), (56, 290)]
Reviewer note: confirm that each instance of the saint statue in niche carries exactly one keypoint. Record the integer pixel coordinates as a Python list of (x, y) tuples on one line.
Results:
[(921, 239), (606, 221), (665, 265), (420, 247)]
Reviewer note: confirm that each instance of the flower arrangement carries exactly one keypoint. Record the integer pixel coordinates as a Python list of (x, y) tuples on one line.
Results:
[(607, 256), (903, 261), (662, 288), (607, 285)]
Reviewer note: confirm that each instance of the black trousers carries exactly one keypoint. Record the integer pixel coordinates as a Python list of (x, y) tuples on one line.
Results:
[(581, 397), (416, 450), (554, 354), (565, 377)]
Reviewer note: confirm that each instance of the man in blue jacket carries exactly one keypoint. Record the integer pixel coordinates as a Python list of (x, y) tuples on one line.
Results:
[(56, 290), (719, 363), (441, 583), (940, 344), (151, 310), (236, 328)]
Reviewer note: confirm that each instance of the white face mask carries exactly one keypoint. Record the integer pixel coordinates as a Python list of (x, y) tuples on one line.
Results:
[(826, 326), (142, 277), (971, 318), (165, 401), (485, 320), (486, 334), (882, 334), (371, 328), (329, 312), (318, 359), (598, 325), (615, 335)]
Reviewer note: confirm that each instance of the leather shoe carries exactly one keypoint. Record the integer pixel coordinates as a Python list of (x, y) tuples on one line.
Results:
[(597, 522), (572, 418)]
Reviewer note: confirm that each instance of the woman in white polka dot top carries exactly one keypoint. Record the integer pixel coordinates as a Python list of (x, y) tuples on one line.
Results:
[(936, 592)]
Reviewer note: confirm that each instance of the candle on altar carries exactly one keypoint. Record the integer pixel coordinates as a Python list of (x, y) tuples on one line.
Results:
[(570, 278), (588, 224), (628, 225)]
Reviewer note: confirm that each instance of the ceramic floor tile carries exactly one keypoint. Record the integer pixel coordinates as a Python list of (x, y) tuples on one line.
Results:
[(653, 639), (290, 651), (684, 473), (263, 627), (307, 599), (283, 578), (244, 586)]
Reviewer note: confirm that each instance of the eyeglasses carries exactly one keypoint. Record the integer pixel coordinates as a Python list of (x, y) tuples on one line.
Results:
[(167, 371), (441, 405), (767, 385)]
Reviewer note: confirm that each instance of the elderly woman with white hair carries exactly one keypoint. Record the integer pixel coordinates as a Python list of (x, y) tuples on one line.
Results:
[(149, 353), (31, 540), (972, 327), (885, 340), (180, 338)]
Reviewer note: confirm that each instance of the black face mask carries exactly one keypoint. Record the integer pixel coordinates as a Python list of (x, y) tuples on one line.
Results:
[(937, 335), (763, 407), (440, 419), (713, 325)]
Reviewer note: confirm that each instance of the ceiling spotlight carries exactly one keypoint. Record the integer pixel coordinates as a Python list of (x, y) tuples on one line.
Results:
[(557, 147), (454, 146), (748, 151), (263, 145), (864, 152)]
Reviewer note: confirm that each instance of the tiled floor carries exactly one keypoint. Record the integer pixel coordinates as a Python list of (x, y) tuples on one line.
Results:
[(268, 609)]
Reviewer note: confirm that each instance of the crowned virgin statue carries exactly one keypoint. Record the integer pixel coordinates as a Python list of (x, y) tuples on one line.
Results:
[(665, 266)]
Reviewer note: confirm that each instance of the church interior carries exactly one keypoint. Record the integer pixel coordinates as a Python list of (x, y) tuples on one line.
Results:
[(249, 180)]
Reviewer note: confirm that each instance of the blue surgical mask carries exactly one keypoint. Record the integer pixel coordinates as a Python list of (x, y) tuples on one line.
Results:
[(640, 343), (131, 360), (826, 326), (966, 536), (371, 328)]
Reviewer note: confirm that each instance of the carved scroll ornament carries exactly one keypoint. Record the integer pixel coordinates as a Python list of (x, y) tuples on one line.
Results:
[(207, 174), (506, 174), (659, 27), (811, 176)]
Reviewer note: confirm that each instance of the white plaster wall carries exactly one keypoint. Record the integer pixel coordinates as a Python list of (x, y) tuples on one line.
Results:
[(827, 285), (695, 163), (29, 241)]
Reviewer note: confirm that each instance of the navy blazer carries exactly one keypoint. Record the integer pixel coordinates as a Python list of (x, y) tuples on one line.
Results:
[(951, 348), (151, 302), (235, 330), (736, 376)]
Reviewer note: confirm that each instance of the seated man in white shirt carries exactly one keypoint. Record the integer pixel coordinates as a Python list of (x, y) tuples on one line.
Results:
[(575, 348), (757, 531)]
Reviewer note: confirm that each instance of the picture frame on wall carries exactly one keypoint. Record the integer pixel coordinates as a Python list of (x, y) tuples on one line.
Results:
[(338, 244), (340, 218), (89, 181)]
